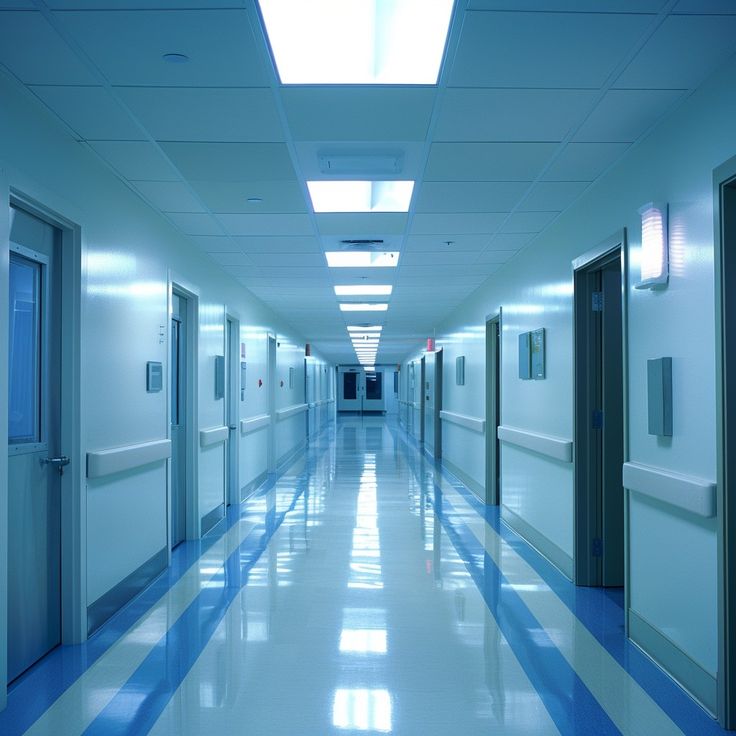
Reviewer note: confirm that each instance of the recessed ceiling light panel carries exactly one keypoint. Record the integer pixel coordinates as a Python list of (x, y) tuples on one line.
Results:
[(362, 259), (362, 307), (364, 290), (360, 196), (357, 41)]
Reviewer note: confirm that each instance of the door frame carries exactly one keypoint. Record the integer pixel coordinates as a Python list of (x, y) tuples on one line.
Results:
[(271, 357), (232, 409), (724, 267), (191, 294), (582, 553), (493, 409), (438, 377), (422, 395), (73, 497)]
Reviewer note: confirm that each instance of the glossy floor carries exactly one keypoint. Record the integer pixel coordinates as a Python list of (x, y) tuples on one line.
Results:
[(362, 591)]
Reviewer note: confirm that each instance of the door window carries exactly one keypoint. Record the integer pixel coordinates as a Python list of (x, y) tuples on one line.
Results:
[(24, 379), (374, 386), (350, 386)]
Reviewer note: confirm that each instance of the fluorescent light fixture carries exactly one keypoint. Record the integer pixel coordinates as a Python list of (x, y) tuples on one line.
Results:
[(654, 246), (362, 259), (357, 41), (360, 196), (365, 328), (364, 290), (363, 307)]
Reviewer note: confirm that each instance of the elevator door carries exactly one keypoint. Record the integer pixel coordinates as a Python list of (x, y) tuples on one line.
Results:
[(178, 419), (35, 463)]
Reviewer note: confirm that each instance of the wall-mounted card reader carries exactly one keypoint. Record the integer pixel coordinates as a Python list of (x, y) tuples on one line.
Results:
[(659, 396), (154, 377)]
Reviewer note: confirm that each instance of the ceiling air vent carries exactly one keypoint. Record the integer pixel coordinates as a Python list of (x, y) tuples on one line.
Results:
[(361, 244)]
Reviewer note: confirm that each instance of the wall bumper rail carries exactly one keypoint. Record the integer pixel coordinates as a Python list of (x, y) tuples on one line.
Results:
[(212, 436), (291, 411), (696, 495), (554, 447), (254, 423), (475, 423), (119, 459)]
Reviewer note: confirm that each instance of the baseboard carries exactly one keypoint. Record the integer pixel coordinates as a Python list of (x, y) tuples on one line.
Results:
[(250, 488), (289, 457), (558, 557), (678, 665), (211, 518), (477, 488), (111, 602)]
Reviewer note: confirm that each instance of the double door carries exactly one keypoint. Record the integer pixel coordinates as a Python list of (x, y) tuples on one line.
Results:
[(361, 391)]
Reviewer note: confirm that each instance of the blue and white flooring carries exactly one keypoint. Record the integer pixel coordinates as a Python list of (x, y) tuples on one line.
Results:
[(362, 591)]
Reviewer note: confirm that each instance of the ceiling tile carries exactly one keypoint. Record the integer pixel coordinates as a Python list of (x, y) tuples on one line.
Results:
[(433, 258), (128, 45), (358, 225), (231, 161), (226, 196), (91, 112), (136, 160), (452, 224), (276, 244), (215, 243), (510, 241), (426, 243), (298, 274), (487, 161), (169, 196), (549, 196), (17, 5), (584, 161), (528, 222), (681, 53), (135, 4), (22, 34), (542, 49), (286, 224), (705, 6), (195, 224), (626, 114), (358, 113), (469, 196), (496, 256), (300, 260), (205, 114), (573, 6), (226, 258), (511, 114)]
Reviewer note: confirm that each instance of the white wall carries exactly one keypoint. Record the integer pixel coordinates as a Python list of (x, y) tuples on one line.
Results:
[(128, 253), (673, 555)]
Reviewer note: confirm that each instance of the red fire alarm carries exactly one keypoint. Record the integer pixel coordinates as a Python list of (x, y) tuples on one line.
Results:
[(430, 344)]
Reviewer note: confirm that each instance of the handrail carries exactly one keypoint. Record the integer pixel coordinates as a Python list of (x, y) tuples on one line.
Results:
[(696, 495), (554, 447), (251, 424), (290, 411), (475, 423), (213, 436), (119, 459)]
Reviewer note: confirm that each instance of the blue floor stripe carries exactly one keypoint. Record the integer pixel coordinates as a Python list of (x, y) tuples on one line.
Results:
[(600, 610), (565, 696), (138, 704), (38, 688)]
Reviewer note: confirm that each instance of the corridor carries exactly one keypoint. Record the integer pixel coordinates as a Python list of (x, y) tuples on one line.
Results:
[(361, 591)]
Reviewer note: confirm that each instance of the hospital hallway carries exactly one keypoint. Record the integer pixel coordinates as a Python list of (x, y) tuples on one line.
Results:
[(362, 591)]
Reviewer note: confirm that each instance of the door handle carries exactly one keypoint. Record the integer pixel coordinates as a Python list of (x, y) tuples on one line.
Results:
[(232, 427), (56, 462)]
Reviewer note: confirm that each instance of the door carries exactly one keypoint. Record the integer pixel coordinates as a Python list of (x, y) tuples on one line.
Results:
[(422, 397), (437, 396), (599, 422), (493, 411), (178, 511), (271, 386), (232, 404), (374, 396), (34, 442), (351, 390)]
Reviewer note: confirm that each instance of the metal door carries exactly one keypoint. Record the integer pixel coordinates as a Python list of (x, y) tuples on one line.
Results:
[(351, 390), (232, 411), (34, 460), (178, 419), (373, 396)]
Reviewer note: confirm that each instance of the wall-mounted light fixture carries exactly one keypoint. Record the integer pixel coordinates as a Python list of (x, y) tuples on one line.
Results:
[(654, 246)]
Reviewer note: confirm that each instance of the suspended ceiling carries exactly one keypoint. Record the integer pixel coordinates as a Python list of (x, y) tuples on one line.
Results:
[(536, 99)]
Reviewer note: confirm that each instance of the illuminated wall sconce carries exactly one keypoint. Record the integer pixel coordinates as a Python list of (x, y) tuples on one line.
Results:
[(654, 246)]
